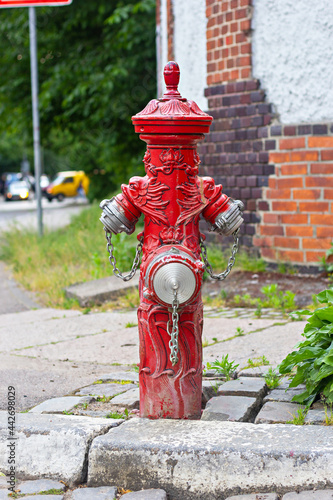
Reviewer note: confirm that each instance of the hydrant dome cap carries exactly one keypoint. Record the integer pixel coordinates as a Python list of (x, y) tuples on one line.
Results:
[(172, 112)]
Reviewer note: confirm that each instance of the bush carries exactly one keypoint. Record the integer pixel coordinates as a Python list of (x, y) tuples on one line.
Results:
[(314, 358)]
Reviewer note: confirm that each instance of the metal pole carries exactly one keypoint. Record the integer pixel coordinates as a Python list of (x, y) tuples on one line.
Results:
[(35, 115)]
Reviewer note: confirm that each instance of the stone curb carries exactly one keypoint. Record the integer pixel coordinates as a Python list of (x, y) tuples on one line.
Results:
[(188, 459), (101, 290), (51, 446), (198, 459)]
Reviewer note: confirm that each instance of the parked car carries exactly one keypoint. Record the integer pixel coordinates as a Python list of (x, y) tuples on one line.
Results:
[(17, 190), (67, 184), (7, 178)]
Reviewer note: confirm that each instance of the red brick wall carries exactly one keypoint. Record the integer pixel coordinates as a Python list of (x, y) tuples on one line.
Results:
[(283, 173), (228, 40), (297, 224)]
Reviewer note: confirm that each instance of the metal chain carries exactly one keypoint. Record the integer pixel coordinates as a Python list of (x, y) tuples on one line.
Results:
[(173, 343), (231, 261), (113, 261)]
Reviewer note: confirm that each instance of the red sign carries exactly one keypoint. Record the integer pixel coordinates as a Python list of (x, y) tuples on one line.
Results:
[(33, 3)]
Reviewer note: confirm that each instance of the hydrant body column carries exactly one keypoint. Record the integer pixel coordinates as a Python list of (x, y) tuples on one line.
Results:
[(171, 265), (172, 198)]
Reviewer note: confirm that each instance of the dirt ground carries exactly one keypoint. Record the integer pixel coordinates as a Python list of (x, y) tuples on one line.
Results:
[(242, 282)]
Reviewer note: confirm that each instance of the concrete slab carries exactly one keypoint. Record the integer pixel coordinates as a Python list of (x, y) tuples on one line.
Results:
[(224, 328), (198, 459), (252, 387), (257, 371), (60, 405), (101, 290), (36, 380), (33, 316), (277, 412), (87, 341), (274, 342), (62, 327), (231, 408), (51, 446)]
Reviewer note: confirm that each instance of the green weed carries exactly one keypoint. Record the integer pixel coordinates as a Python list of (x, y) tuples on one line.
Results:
[(255, 362), (103, 399), (299, 418), (117, 415), (239, 332), (328, 415), (223, 367), (272, 378), (130, 324)]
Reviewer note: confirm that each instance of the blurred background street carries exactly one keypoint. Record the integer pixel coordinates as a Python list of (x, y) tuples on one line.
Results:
[(23, 214)]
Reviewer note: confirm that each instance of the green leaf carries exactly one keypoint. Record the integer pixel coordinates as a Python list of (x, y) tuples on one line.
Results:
[(328, 359), (325, 297), (323, 372), (326, 313)]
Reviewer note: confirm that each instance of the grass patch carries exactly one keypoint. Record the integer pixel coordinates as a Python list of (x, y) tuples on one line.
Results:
[(52, 491), (274, 298), (73, 254), (117, 415), (130, 324)]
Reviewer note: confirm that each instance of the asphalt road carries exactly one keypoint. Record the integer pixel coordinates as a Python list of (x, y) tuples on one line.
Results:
[(24, 213)]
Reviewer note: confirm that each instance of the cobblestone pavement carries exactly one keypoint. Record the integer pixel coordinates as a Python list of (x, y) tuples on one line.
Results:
[(57, 490), (67, 420)]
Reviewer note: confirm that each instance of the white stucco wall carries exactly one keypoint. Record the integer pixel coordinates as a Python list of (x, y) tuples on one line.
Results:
[(162, 47), (293, 57), (189, 47)]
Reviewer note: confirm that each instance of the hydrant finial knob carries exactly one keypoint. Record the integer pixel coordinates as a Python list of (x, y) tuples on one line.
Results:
[(171, 78)]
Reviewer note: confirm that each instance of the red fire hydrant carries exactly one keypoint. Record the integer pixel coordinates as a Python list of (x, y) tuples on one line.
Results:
[(172, 198)]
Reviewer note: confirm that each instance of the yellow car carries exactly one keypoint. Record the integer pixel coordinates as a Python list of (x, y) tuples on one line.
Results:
[(68, 184)]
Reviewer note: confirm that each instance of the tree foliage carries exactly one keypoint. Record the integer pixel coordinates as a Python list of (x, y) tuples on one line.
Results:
[(96, 69)]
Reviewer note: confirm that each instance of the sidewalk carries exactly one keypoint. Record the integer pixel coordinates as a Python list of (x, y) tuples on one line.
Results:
[(47, 354)]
